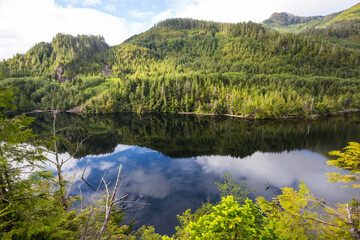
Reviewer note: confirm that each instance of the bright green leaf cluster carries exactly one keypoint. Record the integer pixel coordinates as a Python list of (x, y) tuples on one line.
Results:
[(228, 220), (349, 160)]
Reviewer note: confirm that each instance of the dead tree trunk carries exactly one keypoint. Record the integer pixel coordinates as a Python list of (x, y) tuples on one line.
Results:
[(110, 202)]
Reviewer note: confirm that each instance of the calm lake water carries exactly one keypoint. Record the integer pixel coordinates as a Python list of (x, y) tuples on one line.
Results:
[(171, 162)]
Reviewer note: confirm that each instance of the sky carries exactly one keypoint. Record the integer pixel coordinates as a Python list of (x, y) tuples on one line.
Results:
[(23, 23)]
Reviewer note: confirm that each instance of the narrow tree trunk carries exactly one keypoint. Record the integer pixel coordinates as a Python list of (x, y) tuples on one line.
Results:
[(353, 225), (59, 164)]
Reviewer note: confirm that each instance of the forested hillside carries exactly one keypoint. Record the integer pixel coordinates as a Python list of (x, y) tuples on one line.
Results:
[(186, 65), (286, 22), (62, 59), (287, 67)]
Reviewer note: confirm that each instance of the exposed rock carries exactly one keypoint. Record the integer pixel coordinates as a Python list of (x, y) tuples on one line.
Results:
[(106, 71), (63, 75)]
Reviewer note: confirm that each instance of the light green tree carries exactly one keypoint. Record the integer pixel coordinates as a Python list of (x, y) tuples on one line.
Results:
[(229, 220), (349, 160), (301, 215)]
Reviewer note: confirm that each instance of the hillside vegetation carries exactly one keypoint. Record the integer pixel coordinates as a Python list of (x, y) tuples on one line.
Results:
[(38, 206), (286, 22), (186, 65)]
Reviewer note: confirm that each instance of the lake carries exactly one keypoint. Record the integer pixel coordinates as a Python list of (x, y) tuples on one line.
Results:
[(171, 162)]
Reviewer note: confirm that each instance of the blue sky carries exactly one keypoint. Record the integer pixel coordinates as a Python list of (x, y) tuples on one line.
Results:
[(23, 23), (132, 10)]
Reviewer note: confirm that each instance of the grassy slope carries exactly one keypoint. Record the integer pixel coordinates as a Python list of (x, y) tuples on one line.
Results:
[(352, 13)]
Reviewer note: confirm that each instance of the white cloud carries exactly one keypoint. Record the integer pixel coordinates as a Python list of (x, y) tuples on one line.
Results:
[(163, 16), (71, 169), (110, 7), (24, 23), (90, 2), (84, 3), (118, 148), (150, 185), (139, 14), (106, 165), (259, 10), (280, 170), (70, 164)]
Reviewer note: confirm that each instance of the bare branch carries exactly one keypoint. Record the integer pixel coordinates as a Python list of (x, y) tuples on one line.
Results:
[(112, 202), (78, 147), (122, 198), (337, 214), (90, 206), (71, 184), (316, 220), (107, 199), (73, 124), (82, 177), (348, 211), (116, 184), (51, 161)]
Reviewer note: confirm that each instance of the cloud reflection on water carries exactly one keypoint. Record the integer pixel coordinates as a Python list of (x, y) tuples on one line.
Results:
[(280, 170), (169, 186), (147, 184), (151, 174)]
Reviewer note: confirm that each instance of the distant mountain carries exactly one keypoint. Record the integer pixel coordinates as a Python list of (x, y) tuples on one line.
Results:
[(286, 19), (62, 59), (185, 41), (187, 65), (285, 22)]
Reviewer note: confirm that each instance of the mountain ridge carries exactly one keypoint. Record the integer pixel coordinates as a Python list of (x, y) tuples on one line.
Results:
[(289, 23), (285, 19), (187, 65)]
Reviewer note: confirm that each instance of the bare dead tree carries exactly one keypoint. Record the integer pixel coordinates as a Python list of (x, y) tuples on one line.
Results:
[(90, 207), (59, 162), (110, 202)]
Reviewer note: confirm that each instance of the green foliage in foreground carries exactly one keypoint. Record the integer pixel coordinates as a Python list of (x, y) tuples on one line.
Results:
[(230, 187), (295, 214), (30, 197), (347, 160), (229, 220), (31, 206)]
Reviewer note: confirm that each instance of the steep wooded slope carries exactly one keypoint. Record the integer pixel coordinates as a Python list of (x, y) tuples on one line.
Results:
[(193, 66)]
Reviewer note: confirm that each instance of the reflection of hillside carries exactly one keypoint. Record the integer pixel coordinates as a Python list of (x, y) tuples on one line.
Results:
[(190, 136)]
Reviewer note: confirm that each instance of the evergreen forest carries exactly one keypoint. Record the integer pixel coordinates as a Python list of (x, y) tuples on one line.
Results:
[(184, 65), (38, 206), (286, 67)]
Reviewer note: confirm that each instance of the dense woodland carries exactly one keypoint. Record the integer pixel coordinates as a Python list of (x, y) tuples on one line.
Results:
[(38, 207), (187, 136), (288, 67), (186, 65)]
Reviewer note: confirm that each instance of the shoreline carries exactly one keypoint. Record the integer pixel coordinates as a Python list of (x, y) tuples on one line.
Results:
[(44, 111), (313, 116)]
